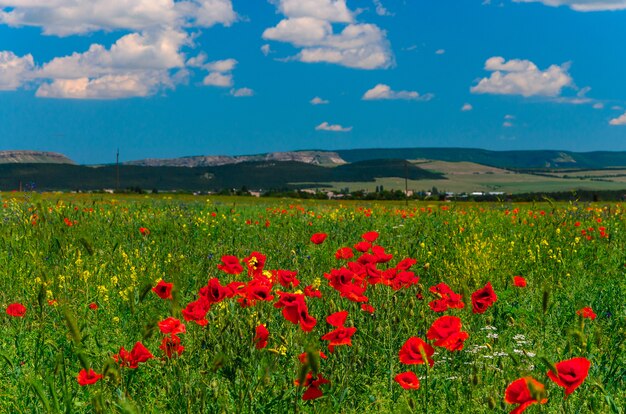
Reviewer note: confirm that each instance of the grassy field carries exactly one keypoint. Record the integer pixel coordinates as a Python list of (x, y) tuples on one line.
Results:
[(85, 287)]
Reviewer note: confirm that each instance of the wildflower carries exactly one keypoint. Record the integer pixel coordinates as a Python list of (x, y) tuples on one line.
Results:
[(337, 319), (370, 236), (446, 331), (303, 357), (483, 298), (367, 308), (311, 292), (261, 336), (519, 281), (312, 384), (587, 312), (144, 231), (172, 326), (93, 306), (131, 359), (17, 310), (570, 373), (171, 346), (408, 380), (524, 391), (230, 265), (414, 349), (85, 377), (447, 298), (318, 238), (344, 253), (163, 289), (362, 246), (286, 277)]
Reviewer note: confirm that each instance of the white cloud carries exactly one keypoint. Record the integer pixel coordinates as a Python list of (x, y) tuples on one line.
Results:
[(325, 126), (466, 107), (620, 120), (440, 51), (266, 49), (218, 79), (598, 105), (141, 63), (509, 116), (309, 25), (318, 101), (507, 124), (382, 91), (242, 92), (582, 5), (381, 10), (14, 70), (68, 17), (522, 77), (617, 108)]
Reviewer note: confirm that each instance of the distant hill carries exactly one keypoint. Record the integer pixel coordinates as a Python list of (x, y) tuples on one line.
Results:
[(326, 158), (532, 159), (253, 175), (38, 157)]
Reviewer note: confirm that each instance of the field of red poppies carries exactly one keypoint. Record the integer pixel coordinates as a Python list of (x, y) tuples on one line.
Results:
[(181, 305)]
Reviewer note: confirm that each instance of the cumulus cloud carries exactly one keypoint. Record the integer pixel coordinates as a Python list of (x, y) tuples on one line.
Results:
[(141, 63), (318, 101), (381, 10), (522, 77), (582, 5), (620, 120), (241, 92), (466, 107), (14, 70), (382, 91), (440, 51), (309, 26), (266, 49), (325, 126)]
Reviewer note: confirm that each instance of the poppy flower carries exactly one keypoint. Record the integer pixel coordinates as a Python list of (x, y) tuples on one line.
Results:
[(446, 331), (163, 289), (483, 298), (411, 351), (85, 377), (196, 311), (230, 265), (255, 263), (381, 256), (144, 231), (337, 319), (312, 385), (344, 253), (171, 346), (524, 391), (340, 336), (367, 308), (362, 246), (370, 236), (318, 238), (172, 326), (93, 306), (311, 292), (261, 336), (407, 380), (405, 264), (519, 281), (303, 357), (286, 278), (571, 373), (17, 310), (587, 312), (447, 298), (131, 359)]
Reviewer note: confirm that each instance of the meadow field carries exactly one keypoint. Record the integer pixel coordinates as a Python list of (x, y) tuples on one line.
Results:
[(182, 304)]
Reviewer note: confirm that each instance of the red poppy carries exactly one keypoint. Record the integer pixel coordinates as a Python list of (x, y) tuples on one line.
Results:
[(318, 238), (519, 281), (311, 292), (571, 373), (337, 319), (85, 377), (303, 357), (344, 253), (255, 263), (362, 246), (381, 256), (144, 231), (483, 298), (408, 380), (172, 326), (171, 346), (230, 265), (587, 312), (17, 310), (405, 264), (370, 236), (163, 289), (131, 359), (367, 308), (411, 351), (196, 311), (446, 331), (447, 298), (261, 336), (286, 278), (213, 292), (340, 336), (524, 391), (313, 391), (93, 306)]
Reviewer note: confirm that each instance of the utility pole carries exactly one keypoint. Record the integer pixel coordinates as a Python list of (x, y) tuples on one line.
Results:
[(117, 171)]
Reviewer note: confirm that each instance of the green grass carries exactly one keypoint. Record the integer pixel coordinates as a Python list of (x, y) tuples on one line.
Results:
[(102, 258)]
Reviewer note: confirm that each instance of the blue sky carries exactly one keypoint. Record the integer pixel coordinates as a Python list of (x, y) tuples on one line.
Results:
[(159, 78)]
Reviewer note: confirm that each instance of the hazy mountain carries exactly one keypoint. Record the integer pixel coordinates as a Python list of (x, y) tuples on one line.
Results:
[(33, 157), (323, 158)]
